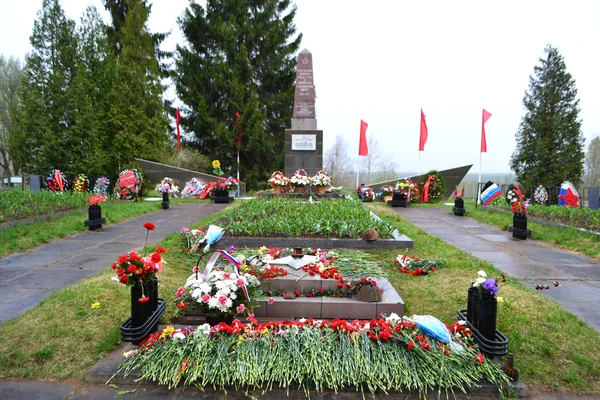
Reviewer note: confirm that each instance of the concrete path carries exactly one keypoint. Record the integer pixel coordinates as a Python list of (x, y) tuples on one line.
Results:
[(28, 278), (530, 261)]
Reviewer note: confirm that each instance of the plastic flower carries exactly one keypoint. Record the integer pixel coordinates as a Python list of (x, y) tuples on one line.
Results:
[(216, 164)]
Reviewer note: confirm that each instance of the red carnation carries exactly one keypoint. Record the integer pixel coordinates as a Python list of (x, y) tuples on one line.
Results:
[(150, 226), (410, 345), (114, 266), (144, 299), (298, 292), (479, 358), (155, 257), (181, 305), (122, 259), (340, 285), (124, 279), (131, 269), (120, 271), (160, 250)]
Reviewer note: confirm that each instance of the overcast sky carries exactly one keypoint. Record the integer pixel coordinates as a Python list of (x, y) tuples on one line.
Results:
[(382, 61)]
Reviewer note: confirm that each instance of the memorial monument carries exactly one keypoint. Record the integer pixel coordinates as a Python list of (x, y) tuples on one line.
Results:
[(304, 143)]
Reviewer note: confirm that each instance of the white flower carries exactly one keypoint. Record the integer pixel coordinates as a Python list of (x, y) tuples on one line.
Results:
[(178, 336), (479, 282), (202, 330), (462, 322), (394, 318), (114, 279), (482, 274)]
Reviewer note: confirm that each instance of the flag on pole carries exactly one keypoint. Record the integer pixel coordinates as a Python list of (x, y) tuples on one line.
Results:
[(363, 149), (486, 116), (423, 135), (177, 118), (239, 130)]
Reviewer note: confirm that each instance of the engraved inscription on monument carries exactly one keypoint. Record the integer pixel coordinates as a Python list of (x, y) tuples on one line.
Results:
[(304, 100), (304, 142)]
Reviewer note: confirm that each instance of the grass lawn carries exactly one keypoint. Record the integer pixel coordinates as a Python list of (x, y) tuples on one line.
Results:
[(554, 351)]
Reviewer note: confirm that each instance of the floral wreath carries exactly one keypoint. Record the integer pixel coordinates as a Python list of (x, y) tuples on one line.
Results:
[(511, 195), (101, 186), (81, 184), (57, 181), (128, 185), (432, 190), (540, 195)]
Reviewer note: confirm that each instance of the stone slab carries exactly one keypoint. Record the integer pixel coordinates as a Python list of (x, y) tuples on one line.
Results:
[(14, 302), (557, 256), (532, 270), (39, 390), (404, 242)]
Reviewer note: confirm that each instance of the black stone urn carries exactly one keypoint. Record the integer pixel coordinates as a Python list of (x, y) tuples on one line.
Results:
[(482, 310), (399, 200), (519, 230), (221, 196), (459, 207), (141, 311), (165, 201), (95, 219)]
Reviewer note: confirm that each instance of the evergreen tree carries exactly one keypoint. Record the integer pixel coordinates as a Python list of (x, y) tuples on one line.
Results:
[(549, 140), (239, 56), (139, 115), (45, 139), (11, 75)]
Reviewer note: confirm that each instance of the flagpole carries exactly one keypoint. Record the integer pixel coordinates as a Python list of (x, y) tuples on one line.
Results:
[(357, 171), (238, 171)]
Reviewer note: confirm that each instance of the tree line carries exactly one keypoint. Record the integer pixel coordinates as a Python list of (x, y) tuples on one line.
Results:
[(89, 97)]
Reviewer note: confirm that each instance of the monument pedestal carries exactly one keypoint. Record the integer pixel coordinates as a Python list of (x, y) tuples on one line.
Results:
[(300, 152)]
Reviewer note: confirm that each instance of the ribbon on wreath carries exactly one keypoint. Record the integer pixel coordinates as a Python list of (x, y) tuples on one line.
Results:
[(236, 264), (425, 193)]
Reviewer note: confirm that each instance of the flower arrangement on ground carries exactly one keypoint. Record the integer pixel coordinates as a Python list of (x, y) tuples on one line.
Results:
[(300, 178), (278, 179), (406, 187), (416, 266), (358, 350), (167, 185), (193, 188), (101, 186), (365, 193), (321, 179), (227, 183), (432, 190), (191, 237), (57, 181), (81, 184)]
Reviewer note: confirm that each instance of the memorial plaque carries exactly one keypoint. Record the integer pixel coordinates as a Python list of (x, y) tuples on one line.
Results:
[(304, 142), (304, 99)]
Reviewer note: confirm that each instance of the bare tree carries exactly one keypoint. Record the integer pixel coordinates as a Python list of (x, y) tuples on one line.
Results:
[(10, 80), (372, 162), (592, 163), (337, 160)]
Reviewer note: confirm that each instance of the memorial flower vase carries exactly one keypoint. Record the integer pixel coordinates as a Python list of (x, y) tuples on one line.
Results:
[(276, 189), (300, 189), (94, 212), (221, 196), (95, 219), (459, 207), (519, 226), (165, 200), (459, 202), (488, 309), (473, 306), (321, 189), (141, 311)]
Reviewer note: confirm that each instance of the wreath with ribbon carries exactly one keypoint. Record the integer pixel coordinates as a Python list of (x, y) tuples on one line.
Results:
[(433, 188), (128, 185), (540, 195), (81, 183), (57, 181), (101, 186)]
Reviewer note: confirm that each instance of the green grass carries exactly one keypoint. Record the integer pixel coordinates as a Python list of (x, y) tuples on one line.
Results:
[(554, 351), (28, 236)]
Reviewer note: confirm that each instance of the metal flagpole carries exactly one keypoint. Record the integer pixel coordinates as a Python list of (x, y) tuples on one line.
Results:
[(238, 171), (357, 171), (479, 181)]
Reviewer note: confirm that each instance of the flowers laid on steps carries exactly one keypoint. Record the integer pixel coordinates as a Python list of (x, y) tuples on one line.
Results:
[(356, 350)]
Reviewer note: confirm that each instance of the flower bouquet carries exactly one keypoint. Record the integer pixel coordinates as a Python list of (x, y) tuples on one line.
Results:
[(193, 188), (321, 181), (95, 199), (228, 183), (365, 193), (133, 269), (386, 192), (407, 190), (278, 181), (167, 185), (300, 180)]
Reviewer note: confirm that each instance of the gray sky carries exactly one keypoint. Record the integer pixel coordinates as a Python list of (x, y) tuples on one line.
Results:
[(382, 61)]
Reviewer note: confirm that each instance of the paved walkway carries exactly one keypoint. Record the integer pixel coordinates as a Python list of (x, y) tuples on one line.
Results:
[(28, 278), (529, 261)]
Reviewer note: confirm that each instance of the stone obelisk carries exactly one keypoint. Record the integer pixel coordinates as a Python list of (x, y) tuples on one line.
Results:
[(304, 143)]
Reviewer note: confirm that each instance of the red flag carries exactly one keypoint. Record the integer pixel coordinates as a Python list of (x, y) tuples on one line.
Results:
[(177, 118), (486, 116), (363, 149), (239, 129), (423, 136)]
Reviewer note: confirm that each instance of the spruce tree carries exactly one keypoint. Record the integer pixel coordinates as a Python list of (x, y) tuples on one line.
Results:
[(139, 115), (239, 56), (549, 140)]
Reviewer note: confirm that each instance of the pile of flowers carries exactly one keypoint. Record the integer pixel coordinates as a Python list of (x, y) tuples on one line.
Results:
[(57, 181), (408, 188), (220, 292), (81, 184), (386, 190), (320, 179), (365, 193), (128, 185), (133, 269), (356, 350), (417, 267), (300, 178), (516, 199), (101, 186), (167, 185), (278, 179), (191, 237), (227, 183), (193, 188)]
